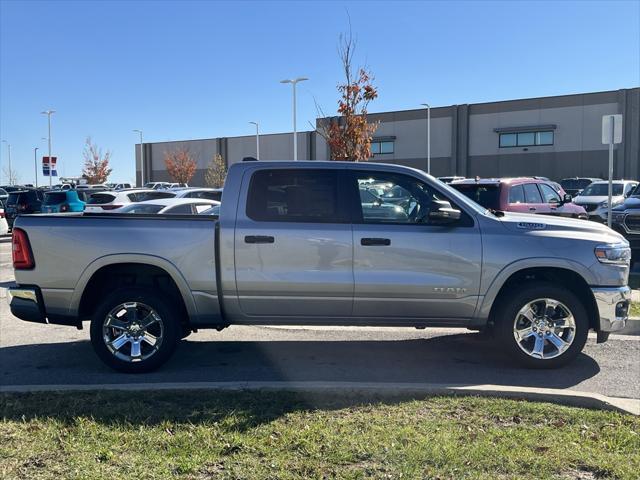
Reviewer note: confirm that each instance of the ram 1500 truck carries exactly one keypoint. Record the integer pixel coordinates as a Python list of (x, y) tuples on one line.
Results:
[(323, 243)]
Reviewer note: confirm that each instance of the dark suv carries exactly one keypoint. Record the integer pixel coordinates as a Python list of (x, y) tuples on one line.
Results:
[(626, 221), (23, 201), (574, 186)]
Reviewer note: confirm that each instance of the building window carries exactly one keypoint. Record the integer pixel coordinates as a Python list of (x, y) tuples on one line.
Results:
[(526, 139), (378, 147)]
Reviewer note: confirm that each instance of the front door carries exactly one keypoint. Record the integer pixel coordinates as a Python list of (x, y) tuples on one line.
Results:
[(408, 264), (293, 245)]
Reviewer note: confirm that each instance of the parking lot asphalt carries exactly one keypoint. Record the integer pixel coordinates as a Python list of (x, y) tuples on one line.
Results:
[(34, 354)]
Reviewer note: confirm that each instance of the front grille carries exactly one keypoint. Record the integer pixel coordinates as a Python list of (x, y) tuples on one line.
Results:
[(632, 222), (590, 207)]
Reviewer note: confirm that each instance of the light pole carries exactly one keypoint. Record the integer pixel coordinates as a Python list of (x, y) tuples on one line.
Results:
[(48, 113), (293, 83), (35, 163), (141, 159), (428, 137), (257, 139), (10, 172)]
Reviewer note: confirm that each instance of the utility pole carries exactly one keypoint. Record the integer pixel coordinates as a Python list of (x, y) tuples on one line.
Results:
[(257, 139), (293, 83), (48, 113), (428, 137), (35, 163)]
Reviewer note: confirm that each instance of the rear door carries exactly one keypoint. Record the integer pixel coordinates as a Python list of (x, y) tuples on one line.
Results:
[(293, 244), (406, 264)]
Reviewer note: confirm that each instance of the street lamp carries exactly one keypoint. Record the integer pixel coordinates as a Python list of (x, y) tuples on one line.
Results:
[(35, 163), (257, 139), (10, 172), (428, 136), (293, 83), (48, 113), (141, 159)]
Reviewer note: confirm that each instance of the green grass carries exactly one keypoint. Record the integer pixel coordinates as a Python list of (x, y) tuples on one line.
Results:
[(634, 311), (269, 435)]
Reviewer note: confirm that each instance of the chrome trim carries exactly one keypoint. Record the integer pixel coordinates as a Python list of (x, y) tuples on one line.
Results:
[(22, 293), (606, 301)]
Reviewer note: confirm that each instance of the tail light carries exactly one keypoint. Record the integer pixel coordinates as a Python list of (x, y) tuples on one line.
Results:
[(64, 207), (1, 213), (110, 207), (21, 251)]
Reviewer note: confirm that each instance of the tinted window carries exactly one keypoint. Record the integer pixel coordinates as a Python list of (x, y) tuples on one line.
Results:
[(53, 198), (487, 195), (601, 190), (516, 194), (575, 183), (154, 195), (206, 195), (295, 196), (550, 195), (180, 210), (13, 198), (140, 208), (100, 198), (531, 193)]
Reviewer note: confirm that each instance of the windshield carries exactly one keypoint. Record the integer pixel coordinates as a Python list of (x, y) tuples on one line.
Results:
[(575, 183), (485, 195), (141, 208), (601, 190), (53, 198)]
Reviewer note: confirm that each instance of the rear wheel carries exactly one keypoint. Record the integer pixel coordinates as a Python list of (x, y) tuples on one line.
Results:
[(542, 325), (134, 330)]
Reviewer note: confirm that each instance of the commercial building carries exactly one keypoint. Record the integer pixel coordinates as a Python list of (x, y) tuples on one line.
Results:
[(556, 137)]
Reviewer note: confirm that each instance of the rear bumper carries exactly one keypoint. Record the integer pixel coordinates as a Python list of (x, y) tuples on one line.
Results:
[(613, 307), (26, 303)]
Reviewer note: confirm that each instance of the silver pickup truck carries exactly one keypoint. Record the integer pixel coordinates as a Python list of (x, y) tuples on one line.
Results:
[(323, 243)]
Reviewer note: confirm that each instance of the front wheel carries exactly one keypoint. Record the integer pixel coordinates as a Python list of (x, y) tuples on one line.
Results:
[(542, 325), (134, 330)]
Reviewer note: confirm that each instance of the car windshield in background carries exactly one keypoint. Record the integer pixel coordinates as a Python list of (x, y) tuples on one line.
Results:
[(139, 208), (601, 190), (100, 198), (53, 198), (486, 195), (575, 183), (636, 192), (14, 198), (155, 195)]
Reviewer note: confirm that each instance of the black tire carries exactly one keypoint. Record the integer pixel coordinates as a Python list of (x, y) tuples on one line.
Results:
[(167, 319), (519, 297)]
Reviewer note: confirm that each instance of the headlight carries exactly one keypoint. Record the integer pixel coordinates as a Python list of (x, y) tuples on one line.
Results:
[(613, 253)]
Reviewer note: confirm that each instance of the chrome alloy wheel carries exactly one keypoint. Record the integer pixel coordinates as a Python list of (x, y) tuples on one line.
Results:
[(544, 328), (133, 331)]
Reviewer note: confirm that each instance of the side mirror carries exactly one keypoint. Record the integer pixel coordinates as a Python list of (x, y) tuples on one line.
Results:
[(567, 198), (445, 215)]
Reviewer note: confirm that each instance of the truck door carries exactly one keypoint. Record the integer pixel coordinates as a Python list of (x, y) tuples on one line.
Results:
[(407, 263), (293, 244)]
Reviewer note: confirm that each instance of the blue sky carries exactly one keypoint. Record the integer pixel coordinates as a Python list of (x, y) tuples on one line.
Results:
[(182, 70)]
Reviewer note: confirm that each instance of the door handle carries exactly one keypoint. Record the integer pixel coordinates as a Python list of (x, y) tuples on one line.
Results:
[(532, 209), (259, 239), (367, 242)]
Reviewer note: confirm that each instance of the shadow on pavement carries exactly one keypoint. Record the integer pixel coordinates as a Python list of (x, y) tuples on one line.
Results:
[(452, 359)]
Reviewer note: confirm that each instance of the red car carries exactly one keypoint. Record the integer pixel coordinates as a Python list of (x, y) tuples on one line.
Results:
[(523, 195)]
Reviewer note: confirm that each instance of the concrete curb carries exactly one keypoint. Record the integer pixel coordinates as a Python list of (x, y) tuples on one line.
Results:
[(367, 389)]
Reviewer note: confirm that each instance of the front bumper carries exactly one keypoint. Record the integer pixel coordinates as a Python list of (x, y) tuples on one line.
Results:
[(613, 307)]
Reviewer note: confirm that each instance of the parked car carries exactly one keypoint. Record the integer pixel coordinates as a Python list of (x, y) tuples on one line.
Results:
[(523, 195), (294, 245), (215, 210), (195, 192), (3, 195), (626, 221), (111, 200), (450, 179), (4, 226), (575, 186), (375, 207), (595, 197), (23, 202), (157, 185), (169, 206), (62, 201)]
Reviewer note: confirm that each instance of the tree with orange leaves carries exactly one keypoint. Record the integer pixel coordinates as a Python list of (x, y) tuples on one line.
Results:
[(96, 164), (180, 165), (349, 136)]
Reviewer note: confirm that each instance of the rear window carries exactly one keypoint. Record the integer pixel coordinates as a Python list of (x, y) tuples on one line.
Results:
[(300, 195), (54, 198), (575, 183), (100, 199), (139, 208), (143, 196), (14, 198), (486, 195)]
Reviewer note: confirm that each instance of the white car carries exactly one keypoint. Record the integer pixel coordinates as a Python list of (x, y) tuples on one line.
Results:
[(164, 185), (171, 206), (110, 200), (4, 226), (195, 192), (594, 199)]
